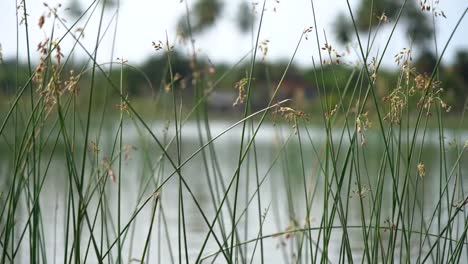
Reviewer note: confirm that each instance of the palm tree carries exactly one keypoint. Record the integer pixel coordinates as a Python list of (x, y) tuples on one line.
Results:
[(371, 13), (205, 13)]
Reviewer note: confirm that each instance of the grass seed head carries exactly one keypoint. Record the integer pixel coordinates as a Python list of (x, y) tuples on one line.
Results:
[(263, 46), (383, 18), (421, 169), (157, 45), (41, 21), (333, 54), (397, 101), (107, 166), (433, 7), (128, 149), (94, 147), (331, 113), (58, 52), (71, 85), (21, 13), (362, 124), (360, 191), (240, 86), (460, 204), (306, 31), (123, 107), (291, 115)]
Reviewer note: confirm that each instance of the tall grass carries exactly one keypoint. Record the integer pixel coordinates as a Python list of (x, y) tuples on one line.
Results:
[(377, 179)]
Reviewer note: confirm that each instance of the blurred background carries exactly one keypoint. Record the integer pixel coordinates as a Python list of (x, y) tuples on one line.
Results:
[(224, 32), (166, 57)]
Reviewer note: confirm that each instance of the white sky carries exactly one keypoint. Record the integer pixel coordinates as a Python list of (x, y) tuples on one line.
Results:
[(143, 21)]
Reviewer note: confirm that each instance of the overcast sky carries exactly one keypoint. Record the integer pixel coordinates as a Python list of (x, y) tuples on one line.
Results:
[(142, 21)]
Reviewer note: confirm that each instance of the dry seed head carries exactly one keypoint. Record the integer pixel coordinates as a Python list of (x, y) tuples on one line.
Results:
[(398, 101), (362, 124), (20, 12), (53, 89), (390, 224), (293, 225), (42, 47), (326, 47), (167, 87), (404, 57), (123, 107), (41, 21), (423, 82), (360, 191), (373, 68), (383, 18), (122, 60), (263, 46), (275, 7), (39, 72), (128, 149), (333, 54), (157, 45), (332, 112), (71, 85), (430, 92), (167, 47), (54, 11), (240, 86), (94, 147), (290, 114), (431, 6), (80, 31), (58, 52), (108, 168), (177, 77), (421, 169), (460, 204), (254, 7), (306, 31), (444, 106)]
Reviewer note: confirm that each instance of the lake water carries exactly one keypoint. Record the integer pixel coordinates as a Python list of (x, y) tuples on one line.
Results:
[(277, 165)]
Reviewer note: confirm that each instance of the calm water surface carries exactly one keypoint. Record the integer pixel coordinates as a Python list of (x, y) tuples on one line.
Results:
[(277, 164)]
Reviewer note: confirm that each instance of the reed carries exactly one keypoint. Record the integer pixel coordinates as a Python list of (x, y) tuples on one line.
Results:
[(371, 176)]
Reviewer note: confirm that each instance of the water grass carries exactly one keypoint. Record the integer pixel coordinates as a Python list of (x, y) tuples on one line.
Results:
[(80, 184)]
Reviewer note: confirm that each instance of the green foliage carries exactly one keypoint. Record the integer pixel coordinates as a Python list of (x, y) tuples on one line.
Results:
[(369, 11), (245, 17), (204, 15), (458, 79), (12, 75), (373, 13), (426, 62), (461, 66), (157, 71), (343, 28)]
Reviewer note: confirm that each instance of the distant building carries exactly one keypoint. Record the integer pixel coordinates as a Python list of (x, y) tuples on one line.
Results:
[(292, 88), (219, 100)]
